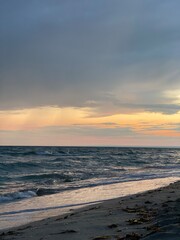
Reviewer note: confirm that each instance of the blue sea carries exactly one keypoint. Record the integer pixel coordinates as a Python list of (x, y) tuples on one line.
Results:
[(39, 182)]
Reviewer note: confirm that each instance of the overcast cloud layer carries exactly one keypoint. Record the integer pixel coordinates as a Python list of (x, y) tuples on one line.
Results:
[(120, 54)]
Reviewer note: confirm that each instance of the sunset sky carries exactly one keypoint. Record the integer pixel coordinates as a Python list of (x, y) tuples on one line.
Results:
[(90, 72)]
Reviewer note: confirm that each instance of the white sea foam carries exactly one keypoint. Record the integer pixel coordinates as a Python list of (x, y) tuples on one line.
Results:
[(17, 195)]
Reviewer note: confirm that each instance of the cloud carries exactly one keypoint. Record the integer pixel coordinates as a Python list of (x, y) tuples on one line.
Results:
[(73, 53), (89, 136)]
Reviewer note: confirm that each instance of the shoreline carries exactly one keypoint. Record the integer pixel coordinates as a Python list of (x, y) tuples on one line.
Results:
[(38, 208), (145, 215)]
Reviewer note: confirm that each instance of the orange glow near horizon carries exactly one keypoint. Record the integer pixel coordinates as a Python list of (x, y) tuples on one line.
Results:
[(165, 133), (38, 118)]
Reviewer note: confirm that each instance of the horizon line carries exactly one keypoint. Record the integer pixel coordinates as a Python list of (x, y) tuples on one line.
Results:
[(98, 146)]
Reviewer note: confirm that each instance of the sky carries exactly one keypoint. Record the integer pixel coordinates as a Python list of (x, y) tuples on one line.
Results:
[(90, 72)]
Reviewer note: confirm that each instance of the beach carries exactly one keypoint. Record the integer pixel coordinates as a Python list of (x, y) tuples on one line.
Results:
[(89, 120), (42, 182), (153, 214)]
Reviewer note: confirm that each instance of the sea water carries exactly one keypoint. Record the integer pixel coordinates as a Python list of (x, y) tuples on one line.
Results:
[(40, 182)]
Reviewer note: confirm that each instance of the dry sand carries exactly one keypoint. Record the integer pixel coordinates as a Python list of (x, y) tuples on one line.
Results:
[(152, 215)]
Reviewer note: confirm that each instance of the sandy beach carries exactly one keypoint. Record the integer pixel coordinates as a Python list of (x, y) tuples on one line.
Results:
[(150, 215)]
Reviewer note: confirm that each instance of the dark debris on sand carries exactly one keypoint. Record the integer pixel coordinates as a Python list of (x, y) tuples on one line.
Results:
[(167, 225)]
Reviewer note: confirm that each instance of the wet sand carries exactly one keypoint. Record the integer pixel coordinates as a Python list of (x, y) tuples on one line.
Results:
[(150, 215)]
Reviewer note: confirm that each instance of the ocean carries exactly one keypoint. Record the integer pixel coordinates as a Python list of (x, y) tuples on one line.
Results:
[(40, 182)]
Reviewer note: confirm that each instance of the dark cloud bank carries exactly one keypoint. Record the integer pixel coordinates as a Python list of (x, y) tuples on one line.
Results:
[(122, 54)]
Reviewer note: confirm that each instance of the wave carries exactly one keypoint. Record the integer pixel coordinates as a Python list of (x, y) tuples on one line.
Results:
[(46, 191), (156, 167), (48, 170), (43, 153), (17, 165), (41, 191), (47, 153), (63, 177), (37, 153), (17, 195)]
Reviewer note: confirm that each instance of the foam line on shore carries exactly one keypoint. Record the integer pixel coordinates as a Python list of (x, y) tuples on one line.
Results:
[(146, 215)]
